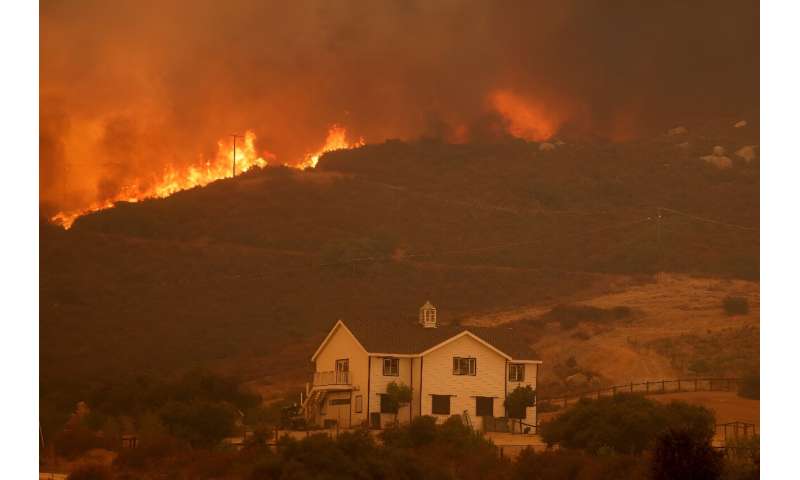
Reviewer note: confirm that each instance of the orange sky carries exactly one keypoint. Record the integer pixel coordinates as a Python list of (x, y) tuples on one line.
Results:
[(131, 89)]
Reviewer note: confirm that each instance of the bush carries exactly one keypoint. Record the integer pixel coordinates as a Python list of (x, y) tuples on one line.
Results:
[(750, 386), (202, 424), (681, 454), (519, 400), (77, 440), (627, 423), (745, 461), (547, 407), (569, 316), (90, 472), (735, 305), (574, 465)]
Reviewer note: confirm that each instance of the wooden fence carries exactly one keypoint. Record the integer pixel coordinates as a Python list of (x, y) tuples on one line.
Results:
[(735, 431), (650, 388)]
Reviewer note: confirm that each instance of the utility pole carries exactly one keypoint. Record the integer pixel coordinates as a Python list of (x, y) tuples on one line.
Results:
[(658, 243), (235, 136)]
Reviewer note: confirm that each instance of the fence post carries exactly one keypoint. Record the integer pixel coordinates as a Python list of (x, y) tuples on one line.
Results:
[(631, 387), (679, 384), (647, 386), (663, 389)]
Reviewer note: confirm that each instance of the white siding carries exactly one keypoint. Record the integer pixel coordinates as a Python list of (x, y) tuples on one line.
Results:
[(341, 345), (489, 379), (378, 385), (531, 371), (415, 388)]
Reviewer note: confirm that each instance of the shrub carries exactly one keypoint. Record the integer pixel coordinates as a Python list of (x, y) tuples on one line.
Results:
[(744, 463), (569, 316), (520, 399), (581, 335), (397, 395), (202, 424), (546, 407), (564, 464), (90, 472), (422, 430), (750, 386), (77, 440), (735, 305), (627, 423), (681, 454)]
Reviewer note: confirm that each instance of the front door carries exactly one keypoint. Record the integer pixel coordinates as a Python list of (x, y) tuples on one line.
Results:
[(484, 408), (343, 372)]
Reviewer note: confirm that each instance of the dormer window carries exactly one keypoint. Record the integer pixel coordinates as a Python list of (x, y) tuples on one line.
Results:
[(427, 315)]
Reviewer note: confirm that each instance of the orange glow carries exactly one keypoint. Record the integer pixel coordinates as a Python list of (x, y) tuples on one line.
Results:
[(336, 140), (172, 179), (526, 119)]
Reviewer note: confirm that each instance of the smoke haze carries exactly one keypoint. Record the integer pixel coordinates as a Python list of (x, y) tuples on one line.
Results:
[(130, 87)]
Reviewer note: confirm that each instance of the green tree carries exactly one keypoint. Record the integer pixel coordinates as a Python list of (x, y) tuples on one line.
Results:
[(627, 423), (202, 424), (91, 472), (398, 395), (520, 399), (681, 454)]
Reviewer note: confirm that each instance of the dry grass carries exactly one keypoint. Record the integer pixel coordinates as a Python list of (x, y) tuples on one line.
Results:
[(673, 305)]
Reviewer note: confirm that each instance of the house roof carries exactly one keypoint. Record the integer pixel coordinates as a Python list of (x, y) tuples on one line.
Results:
[(411, 338)]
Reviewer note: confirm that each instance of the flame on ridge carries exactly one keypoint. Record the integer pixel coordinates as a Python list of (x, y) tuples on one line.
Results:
[(174, 180), (336, 140)]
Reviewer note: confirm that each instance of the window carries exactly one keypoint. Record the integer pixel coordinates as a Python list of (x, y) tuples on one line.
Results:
[(343, 371), (516, 372), (440, 404), (391, 367), (386, 407), (358, 404), (463, 366), (340, 401), (343, 365), (484, 406)]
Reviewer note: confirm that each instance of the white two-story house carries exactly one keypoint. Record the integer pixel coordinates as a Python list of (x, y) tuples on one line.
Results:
[(451, 370)]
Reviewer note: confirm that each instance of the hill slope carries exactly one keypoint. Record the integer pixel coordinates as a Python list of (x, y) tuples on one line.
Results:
[(248, 273)]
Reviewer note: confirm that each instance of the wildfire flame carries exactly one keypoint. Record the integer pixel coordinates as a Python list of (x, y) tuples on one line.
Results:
[(336, 140), (174, 180), (526, 118)]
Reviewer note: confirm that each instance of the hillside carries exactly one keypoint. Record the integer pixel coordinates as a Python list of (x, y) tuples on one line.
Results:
[(247, 274)]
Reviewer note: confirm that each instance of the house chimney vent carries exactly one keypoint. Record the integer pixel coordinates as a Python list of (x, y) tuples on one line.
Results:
[(427, 315)]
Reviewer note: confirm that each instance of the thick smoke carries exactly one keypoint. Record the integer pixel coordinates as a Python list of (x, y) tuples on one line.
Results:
[(128, 87)]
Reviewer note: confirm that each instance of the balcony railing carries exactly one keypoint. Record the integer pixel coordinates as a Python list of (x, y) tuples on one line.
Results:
[(331, 378)]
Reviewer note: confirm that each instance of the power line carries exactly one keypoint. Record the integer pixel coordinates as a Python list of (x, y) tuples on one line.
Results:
[(708, 220)]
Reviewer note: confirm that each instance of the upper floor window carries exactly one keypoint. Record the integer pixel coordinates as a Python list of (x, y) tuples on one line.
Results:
[(464, 366), (391, 367), (516, 372)]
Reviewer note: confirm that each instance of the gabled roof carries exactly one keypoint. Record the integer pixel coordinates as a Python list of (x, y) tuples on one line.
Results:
[(405, 338), (338, 324)]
